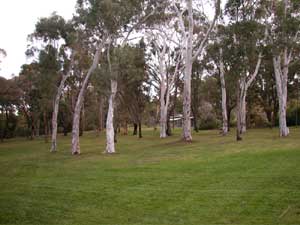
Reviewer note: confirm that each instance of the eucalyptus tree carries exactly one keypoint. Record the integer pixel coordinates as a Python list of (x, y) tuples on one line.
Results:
[(68, 35), (106, 23), (55, 33), (221, 67), (248, 36), (193, 47), (163, 66), (220, 55), (284, 29)]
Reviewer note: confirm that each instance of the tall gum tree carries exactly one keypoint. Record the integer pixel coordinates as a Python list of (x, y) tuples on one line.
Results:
[(54, 31), (248, 36), (164, 68), (106, 21), (70, 40), (193, 47), (284, 39)]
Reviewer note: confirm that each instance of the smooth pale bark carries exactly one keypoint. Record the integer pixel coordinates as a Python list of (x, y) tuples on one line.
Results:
[(166, 79), (242, 104), (243, 85), (281, 75), (163, 121), (188, 57), (224, 97), (76, 116), (110, 133), (244, 113), (239, 117), (56, 108), (163, 91), (281, 64)]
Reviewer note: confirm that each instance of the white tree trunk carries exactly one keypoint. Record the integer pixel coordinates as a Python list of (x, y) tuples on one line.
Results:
[(243, 112), (55, 112), (241, 105), (238, 113), (164, 93), (188, 56), (76, 117), (281, 76), (163, 110), (224, 97), (110, 133), (244, 83), (163, 122)]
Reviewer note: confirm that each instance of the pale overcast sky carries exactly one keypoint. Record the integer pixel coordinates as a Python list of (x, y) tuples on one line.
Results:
[(17, 20)]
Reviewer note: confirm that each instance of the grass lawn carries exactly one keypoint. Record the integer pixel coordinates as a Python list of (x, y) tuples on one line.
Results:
[(213, 180)]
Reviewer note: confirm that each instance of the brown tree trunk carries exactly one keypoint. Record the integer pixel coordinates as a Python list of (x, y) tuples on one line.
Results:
[(135, 127), (140, 130), (37, 129), (125, 128), (101, 114), (45, 127)]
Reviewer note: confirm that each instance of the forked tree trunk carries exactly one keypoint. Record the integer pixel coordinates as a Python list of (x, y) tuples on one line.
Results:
[(79, 103), (281, 75), (189, 58), (243, 85), (110, 133), (55, 112), (56, 105)]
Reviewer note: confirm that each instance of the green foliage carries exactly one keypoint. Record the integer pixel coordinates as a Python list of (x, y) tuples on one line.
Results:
[(53, 28), (285, 25), (107, 16)]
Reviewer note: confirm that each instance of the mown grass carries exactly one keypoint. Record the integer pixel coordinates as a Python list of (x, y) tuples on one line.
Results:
[(213, 180)]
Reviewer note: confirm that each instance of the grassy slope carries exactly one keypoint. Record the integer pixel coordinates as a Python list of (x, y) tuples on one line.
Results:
[(213, 180)]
